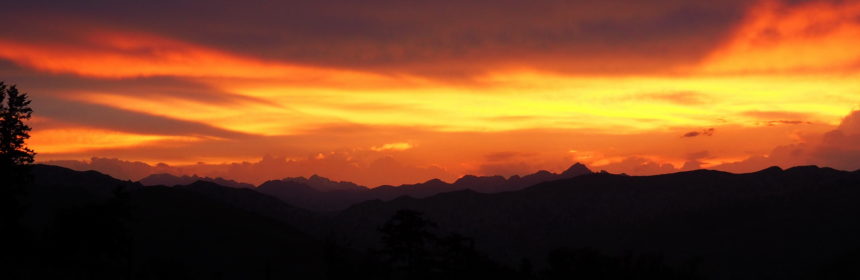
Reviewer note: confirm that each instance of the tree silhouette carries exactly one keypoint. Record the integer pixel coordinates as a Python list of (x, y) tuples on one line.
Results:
[(408, 243), (413, 251), (15, 160), (14, 110), (15, 157)]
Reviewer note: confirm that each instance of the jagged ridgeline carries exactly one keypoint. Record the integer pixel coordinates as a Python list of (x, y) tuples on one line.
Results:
[(779, 224)]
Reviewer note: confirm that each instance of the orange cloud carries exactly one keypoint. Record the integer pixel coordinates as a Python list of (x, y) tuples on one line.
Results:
[(122, 54), (77, 139), (813, 36)]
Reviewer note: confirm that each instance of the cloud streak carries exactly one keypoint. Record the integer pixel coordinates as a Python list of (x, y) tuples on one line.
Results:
[(120, 120)]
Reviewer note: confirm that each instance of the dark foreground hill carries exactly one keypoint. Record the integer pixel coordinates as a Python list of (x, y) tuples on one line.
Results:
[(800, 223), (85, 225), (773, 224)]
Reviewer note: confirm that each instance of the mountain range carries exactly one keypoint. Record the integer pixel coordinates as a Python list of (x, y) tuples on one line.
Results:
[(165, 179), (322, 194), (797, 223)]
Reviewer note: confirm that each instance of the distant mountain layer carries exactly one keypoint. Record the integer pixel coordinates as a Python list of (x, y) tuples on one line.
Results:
[(170, 180), (324, 184), (321, 194)]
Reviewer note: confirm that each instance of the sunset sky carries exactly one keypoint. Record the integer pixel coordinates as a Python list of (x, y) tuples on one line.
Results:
[(392, 92)]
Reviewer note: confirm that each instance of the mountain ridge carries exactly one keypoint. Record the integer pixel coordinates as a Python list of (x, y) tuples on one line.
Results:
[(774, 223), (166, 179), (297, 192)]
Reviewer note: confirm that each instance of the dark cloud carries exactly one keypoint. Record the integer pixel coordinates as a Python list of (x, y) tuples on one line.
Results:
[(705, 132), (425, 37), (143, 87), (99, 116)]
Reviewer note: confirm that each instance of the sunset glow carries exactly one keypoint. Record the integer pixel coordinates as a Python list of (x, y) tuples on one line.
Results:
[(760, 80)]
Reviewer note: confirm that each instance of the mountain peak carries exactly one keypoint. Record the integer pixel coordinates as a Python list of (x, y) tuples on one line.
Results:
[(576, 169), (316, 177), (772, 169), (321, 183)]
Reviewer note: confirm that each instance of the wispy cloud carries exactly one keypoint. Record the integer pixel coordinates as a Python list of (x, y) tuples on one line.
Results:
[(398, 146)]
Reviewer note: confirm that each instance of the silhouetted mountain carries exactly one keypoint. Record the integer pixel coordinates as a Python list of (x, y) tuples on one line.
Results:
[(56, 188), (331, 196), (575, 170), (799, 223), (304, 196), (257, 203), (170, 180), (324, 184), (91, 182), (773, 224), (483, 184), (91, 226), (210, 239)]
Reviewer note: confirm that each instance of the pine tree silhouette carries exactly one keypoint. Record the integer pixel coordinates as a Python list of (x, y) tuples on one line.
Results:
[(408, 243), (15, 160)]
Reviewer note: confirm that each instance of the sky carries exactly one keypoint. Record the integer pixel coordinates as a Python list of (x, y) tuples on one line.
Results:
[(392, 92)]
